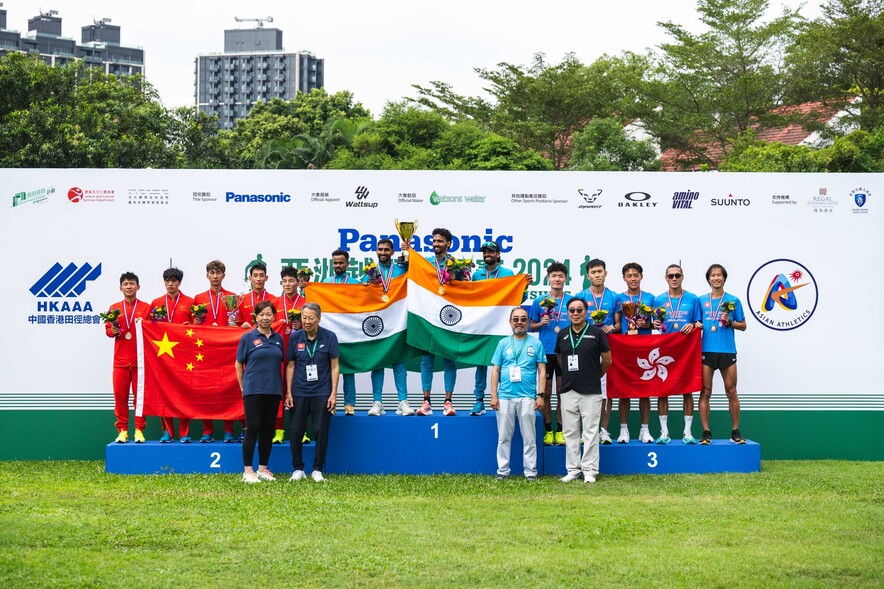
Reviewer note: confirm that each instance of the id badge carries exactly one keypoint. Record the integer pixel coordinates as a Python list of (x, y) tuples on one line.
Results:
[(312, 373), (573, 365), (515, 374)]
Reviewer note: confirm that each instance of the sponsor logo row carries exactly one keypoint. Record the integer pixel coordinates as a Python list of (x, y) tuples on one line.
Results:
[(856, 200)]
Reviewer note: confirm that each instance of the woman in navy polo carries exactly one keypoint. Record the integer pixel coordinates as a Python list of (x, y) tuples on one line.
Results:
[(259, 361)]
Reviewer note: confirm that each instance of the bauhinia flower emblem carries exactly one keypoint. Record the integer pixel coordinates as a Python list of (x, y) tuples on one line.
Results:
[(655, 365)]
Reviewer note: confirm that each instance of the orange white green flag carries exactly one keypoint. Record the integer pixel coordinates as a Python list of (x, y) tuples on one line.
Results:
[(370, 330), (460, 320)]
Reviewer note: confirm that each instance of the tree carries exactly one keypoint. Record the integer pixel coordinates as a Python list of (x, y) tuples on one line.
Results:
[(195, 136), (711, 87), (541, 106), (306, 151), (604, 145), (306, 114), (74, 116), (841, 55)]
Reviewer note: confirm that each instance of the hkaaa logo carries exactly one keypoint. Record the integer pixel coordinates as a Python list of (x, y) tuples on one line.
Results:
[(782, 294)]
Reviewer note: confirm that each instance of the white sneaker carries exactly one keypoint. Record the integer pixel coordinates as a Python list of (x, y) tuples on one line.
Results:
[(298, 475), (250, 478), (624, 437), (588, 479), (266, 475), (571, 476), (377, 408), (317, 476), (645, 437), (604, 436), (404, 409)]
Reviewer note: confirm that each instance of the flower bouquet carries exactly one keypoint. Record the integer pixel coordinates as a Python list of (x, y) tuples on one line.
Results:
[(726, 307), (660, 315), (158, 313), (372, 271), (199, 313), (294, 316), (598, 317), (112, 316), (459, 268)]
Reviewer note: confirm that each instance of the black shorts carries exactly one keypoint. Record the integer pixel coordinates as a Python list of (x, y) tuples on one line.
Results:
[(719, 360), (552, 365)]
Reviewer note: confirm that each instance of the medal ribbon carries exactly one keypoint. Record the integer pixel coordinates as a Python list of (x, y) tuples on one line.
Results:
[(263, 296), (680, 299), (285, 308), (557, 315), (438, 269), (214, 305), (598, 301), (386, 283), (170, 315), (129, 318), (717, 312)]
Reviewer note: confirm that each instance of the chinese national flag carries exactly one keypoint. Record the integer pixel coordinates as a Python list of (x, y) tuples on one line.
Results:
[(654, 365), (188, 371)]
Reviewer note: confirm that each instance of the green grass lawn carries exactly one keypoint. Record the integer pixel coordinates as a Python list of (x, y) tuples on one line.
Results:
[(808, 524)]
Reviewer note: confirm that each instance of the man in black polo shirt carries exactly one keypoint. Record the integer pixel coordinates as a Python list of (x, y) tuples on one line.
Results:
[(585, 357)]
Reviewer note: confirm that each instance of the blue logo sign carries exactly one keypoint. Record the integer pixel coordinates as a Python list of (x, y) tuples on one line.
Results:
[(859, 198), (68, 281)]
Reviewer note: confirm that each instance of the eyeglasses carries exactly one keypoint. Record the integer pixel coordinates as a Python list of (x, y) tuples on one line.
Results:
[(519, 320), (578, 310), (673, 276)]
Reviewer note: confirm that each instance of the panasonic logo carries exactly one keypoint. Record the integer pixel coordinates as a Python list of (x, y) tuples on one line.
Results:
[(280, 197)]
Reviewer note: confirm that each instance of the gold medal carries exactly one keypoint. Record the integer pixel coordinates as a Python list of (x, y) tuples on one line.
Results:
[(713, 329), (385, 298), (128, 335), (675, 326), (556, 329), (441, 291)]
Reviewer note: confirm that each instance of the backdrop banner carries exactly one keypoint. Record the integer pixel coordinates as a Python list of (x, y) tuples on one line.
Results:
[(801, 250)]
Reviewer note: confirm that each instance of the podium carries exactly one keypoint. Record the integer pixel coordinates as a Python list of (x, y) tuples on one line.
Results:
[(435, 444)]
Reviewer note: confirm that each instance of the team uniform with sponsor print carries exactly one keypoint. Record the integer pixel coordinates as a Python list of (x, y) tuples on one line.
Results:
[(547, 333), (642, 297), (719, 343), (679, 310)]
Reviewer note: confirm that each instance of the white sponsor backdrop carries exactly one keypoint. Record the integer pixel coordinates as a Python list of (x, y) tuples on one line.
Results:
[(141, 220)]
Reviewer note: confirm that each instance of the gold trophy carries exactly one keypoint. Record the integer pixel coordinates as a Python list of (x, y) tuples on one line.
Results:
[(406, 230), (629, 311)]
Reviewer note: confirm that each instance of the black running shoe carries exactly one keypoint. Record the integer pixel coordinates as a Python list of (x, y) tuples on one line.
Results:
[(736, 438), (706, 438)]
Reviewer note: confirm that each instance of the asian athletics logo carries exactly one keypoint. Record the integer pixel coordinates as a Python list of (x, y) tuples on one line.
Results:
[(782, 294)]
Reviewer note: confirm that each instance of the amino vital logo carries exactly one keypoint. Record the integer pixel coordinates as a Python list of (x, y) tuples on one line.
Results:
[(787, 293), (684, 200), (68, 281)]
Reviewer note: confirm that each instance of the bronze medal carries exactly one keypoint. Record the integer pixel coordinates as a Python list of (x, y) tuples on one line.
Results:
[(128, 335), (675, 326), (556, 329), (713, 329)]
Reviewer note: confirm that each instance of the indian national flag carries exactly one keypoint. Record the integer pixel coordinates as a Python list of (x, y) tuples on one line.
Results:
[(371, 332), (466, 321)]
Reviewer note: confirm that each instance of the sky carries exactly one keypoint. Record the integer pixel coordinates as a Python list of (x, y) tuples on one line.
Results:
[(377, 50)]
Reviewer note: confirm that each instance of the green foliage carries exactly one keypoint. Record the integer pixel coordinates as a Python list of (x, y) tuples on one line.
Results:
[(860, 151), (604, 145), (713, 86), (412, 138), (305, 151), (197, 140), (68, 524), (73, 116), (542, 105), (841, 55)]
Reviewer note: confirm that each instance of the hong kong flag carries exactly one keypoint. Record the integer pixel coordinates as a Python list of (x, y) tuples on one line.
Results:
[(187, 371), (655, 365)]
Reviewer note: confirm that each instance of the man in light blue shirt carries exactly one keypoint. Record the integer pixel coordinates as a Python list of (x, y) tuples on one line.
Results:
[(518, 379)]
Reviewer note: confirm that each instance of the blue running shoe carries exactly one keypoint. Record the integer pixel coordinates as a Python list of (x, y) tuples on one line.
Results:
[(166, 438), (478, 408), (206, 439), (185, 440)]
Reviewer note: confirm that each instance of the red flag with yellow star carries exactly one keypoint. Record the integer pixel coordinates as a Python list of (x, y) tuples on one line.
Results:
[(187, 371)]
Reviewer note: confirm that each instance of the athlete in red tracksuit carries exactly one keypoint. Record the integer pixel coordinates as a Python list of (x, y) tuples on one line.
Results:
[(216, 316), (177, 306), (291, 299), (125, 355)]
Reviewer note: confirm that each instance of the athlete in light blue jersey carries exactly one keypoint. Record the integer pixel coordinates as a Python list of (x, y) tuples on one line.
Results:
[(682, 316), (340, 263), (632, 275), (599, 297), (387, 271), (720, 349), (548, 322)]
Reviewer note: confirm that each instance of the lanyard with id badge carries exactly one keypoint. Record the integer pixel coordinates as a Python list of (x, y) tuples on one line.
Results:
[(312, 371), (573, 364), (516, 371)]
